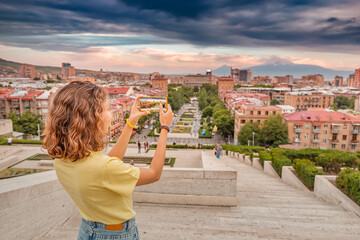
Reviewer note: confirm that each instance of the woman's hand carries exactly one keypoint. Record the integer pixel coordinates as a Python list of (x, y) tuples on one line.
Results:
[(166, 117), (135, 113)]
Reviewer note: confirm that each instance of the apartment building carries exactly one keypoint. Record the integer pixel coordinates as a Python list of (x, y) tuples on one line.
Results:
[(27, 71), (4, 92), (252, 113), (304, 100), (324, 130), (161, 83), (310, 80), (338, 81), (225, 84)]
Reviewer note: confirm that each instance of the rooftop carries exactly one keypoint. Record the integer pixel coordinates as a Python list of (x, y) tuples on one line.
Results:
[(321, 116)]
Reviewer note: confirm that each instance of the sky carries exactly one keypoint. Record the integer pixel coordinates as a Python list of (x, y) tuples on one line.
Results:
[(186, 36)]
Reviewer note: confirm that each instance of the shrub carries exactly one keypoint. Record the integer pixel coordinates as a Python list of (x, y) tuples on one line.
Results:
[(243, 149), (265, 156), (279, 160), (334, 160), (350, 181), (307, 171)]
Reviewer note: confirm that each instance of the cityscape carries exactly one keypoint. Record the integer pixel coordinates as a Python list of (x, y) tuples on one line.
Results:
[(272, 88)]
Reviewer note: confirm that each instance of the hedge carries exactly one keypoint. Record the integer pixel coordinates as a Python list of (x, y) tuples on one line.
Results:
[(279, 160), (350, 181), (265, 156), (307, 171), (248, 150)]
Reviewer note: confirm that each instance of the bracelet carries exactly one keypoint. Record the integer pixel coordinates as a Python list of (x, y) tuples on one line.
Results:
[(127, 121), (164, 127)]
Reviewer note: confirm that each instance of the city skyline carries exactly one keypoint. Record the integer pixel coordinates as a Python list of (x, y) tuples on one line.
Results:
[(180, 37)]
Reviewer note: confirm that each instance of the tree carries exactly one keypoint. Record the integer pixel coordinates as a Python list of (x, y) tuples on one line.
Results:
[(220, 112), (274, 102), (334, 107), (202, 99), (208, 111), (275, 131), (246, 133), (225, 125), (218, 106), (196, 89), (26, 123), (342, 102)]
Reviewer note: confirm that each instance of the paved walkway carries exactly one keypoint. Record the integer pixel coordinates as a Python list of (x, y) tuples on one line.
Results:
[(267, 209)]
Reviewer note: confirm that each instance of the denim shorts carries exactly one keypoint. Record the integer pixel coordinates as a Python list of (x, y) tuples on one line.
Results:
[(94, 230)]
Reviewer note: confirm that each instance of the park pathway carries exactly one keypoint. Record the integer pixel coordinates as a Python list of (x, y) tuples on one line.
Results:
[(267, 209)]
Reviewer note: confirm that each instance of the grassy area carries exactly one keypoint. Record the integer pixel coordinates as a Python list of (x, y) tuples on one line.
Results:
[(181, 129)]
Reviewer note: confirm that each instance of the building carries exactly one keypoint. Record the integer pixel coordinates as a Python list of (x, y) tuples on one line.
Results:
[(350, 80), (118, 92), (241, 75), (67, 70), (252, 113), (4, 92), (197, 80), (285, 109), (261, 80), (356, 78), (27, 71), (338, 81), (225, 84), (305, 100), (310, 80), (160, 82), (288, 79), (324, 130)]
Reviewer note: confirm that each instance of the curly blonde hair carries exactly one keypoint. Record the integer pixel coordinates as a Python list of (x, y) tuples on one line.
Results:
[(75, 124)]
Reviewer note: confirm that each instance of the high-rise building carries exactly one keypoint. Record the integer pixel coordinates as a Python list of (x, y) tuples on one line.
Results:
[(338, 81), (241, 75), (357, 78), (27, 71), (350, 80), (67, 70)]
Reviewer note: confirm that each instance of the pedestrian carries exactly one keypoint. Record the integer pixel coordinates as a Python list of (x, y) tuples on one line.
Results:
[(139, 147), (99, 184), (144, 146), (132, 162), (218, 150), (266, 148), (9, 140)]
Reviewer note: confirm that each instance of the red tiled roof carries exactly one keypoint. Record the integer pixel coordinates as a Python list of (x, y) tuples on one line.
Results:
[(4, 92), (320, 116), (30, 95), (120, 90)]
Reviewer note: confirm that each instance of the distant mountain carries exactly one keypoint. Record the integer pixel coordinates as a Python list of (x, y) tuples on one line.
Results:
[(282, 67), (224, 70)]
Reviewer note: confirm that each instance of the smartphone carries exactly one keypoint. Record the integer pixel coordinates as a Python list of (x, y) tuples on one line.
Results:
[(152, 104)]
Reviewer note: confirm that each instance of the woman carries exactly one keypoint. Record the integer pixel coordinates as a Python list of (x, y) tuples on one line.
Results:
[(100, 185)]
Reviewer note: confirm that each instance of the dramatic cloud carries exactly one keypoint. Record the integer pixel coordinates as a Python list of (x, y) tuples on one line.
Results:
[(204, 23)]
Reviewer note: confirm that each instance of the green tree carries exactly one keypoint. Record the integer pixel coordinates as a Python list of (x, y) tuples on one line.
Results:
[(220, 113), (274, 102), (225, 125), (334, 107), (208, 111), (202, 99), (218, 106), (246, 133), (342, 102), (26, 123), (196, 89), (275, 131)]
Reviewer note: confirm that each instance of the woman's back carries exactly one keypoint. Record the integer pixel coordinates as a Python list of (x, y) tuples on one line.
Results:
[(100, 186)]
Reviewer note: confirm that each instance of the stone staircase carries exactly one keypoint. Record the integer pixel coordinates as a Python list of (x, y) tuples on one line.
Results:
[(267, 209)]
